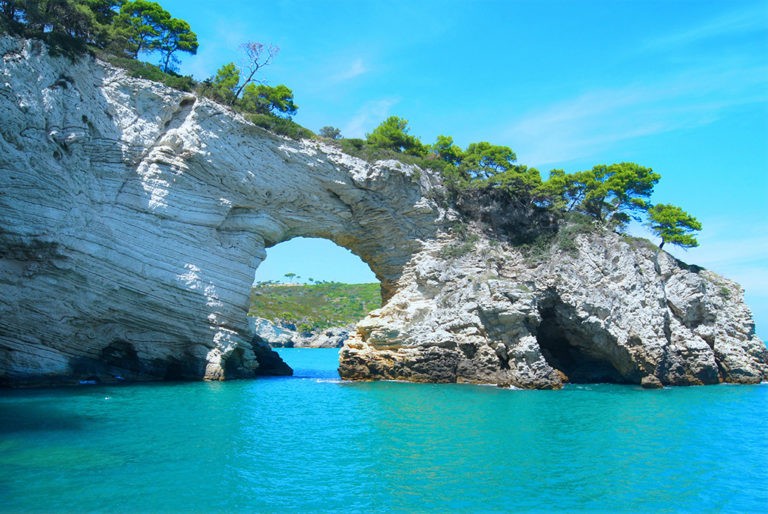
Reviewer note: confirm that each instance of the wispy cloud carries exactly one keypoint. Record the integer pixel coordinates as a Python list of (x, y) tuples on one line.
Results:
[(721, 246), (354, 69), (663, 99), (370, 114), (750, 19), (589, 123)]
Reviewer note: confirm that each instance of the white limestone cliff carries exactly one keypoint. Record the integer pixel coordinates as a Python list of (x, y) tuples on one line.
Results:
[(609, 309), (134, 217)]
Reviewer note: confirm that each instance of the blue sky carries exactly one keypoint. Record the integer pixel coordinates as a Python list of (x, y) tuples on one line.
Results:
[(680, 86)]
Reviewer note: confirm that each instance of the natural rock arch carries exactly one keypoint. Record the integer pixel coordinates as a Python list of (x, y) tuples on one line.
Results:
[(136, 216), (150, 209)]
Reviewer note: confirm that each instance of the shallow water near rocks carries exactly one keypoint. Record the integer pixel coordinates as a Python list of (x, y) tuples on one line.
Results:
[(313, 443)]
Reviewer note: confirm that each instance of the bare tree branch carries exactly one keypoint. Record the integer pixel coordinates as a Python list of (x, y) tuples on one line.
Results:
[(257, 56)]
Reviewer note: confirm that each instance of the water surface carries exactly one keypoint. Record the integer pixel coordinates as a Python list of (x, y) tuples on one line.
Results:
[(313, 443)]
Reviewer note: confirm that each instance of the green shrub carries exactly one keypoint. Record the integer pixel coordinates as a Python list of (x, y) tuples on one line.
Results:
[(573, 224), (315, 306), (352, 146), (148, 71), (564, 238), (459, 248), (65, 45), (281, 126), (639, 242)]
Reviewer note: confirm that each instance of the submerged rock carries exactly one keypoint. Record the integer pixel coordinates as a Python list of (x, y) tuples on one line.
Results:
[(135, 216)]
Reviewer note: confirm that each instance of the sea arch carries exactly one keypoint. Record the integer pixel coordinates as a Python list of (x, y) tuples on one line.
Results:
[(135, 218), (269, 190), (160, 213)]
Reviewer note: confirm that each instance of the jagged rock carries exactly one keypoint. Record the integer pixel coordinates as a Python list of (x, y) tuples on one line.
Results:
[(284, 335), (275, 335), (333, 337), (606, 308), (136, 215), (651, 382)]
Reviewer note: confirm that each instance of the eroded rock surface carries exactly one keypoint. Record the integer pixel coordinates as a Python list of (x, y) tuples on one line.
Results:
[(135, 217), (607, 309), (285, 335)]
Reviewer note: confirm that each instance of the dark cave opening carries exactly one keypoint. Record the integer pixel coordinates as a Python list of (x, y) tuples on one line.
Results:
[(570, 349), (121, 357), (234, 366)]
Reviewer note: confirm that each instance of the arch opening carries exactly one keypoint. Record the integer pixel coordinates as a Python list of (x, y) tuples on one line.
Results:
[(310, 293)]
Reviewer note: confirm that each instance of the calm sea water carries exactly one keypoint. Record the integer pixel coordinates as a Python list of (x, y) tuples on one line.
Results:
[(311, 443)]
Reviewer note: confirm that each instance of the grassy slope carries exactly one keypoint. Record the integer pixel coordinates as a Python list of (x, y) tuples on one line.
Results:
[(315, 306)]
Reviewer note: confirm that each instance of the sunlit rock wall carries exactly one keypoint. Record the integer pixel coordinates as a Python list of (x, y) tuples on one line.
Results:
[(598, 307), (134, 217)]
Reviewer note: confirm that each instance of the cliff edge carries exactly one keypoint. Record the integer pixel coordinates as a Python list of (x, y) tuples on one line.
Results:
[(135, 216)]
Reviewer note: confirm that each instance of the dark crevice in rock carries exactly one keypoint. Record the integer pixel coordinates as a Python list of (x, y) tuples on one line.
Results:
[(174, 370), (121, 358), (667, 327), (570, 349), (469, 350), (234, 366), (270, 363), (502, 355), (722, 372)]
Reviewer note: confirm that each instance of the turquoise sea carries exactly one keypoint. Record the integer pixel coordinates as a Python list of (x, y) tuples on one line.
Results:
[(311, 443)]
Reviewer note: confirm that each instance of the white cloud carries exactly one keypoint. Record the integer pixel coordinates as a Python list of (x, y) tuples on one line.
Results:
[(368, 116), (738, 22), (591, 122), (665, 99), (354, 69)]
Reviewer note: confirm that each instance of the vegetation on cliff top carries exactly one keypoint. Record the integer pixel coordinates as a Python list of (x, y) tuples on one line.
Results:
[(121, 30), (314, 306), (611, 195)]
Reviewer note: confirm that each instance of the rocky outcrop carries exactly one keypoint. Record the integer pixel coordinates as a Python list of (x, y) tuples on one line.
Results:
[(601, 308), (135, 217), (285, 335)]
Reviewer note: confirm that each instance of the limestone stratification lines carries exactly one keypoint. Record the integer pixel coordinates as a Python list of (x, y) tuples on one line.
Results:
[(136, 215), (134, 218)]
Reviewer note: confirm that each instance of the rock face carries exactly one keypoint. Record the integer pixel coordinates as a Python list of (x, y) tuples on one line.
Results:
[(608, 308), (135, 217), (286, 336)]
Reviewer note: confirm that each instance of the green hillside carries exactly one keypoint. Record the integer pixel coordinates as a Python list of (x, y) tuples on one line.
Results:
[(315, 306)]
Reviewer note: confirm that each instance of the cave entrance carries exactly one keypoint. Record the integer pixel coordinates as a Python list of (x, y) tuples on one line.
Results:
[(307, 294), (583, 353)]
